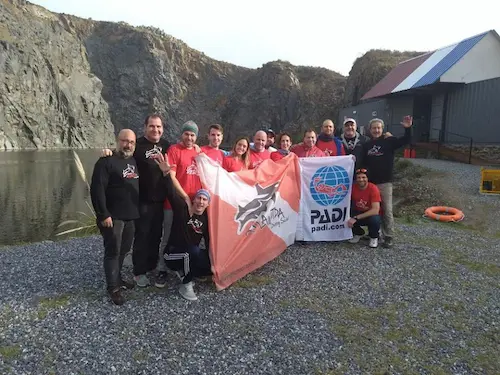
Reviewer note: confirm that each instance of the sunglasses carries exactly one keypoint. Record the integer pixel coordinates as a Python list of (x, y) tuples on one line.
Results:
[(361, 170)]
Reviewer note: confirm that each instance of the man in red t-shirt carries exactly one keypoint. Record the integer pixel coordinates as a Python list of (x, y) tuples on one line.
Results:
[(215, 137), (259, 153), (186, 181), (365, 208), (308, 148)]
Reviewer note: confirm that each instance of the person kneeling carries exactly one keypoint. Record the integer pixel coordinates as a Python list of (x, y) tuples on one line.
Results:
[(365, 207), (189, 225)]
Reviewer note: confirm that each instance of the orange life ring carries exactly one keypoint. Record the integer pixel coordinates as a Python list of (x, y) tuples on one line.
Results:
[(445, 214)]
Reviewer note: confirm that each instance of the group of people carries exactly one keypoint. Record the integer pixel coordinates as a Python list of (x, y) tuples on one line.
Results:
[(147, 194)]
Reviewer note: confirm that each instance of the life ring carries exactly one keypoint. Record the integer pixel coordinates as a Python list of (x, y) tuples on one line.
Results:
[(445, 214)]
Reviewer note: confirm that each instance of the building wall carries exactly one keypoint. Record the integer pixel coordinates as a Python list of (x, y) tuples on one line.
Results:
[(436, 116), (364, 112), (398, 107), (474, 111), (482, 62)]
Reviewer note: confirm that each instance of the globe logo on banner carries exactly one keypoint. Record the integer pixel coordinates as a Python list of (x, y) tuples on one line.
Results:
[(329, 185)]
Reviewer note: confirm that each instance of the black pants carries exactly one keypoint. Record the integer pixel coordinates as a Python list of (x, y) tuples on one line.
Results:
[(372, 222), (191, 261), (117, 243), (148, 232)]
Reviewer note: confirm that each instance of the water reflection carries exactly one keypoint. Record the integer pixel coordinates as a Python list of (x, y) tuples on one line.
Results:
[(39, 189)]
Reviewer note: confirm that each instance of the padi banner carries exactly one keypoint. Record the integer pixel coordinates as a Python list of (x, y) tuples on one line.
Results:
[(326, 198), (252, 215)]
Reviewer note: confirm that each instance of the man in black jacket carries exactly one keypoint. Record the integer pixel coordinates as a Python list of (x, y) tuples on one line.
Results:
[(353, 141), (152, 195), (378, 158), (190, 224), (115, 196)]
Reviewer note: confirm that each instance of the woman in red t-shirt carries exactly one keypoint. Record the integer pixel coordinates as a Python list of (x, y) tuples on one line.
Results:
[(285, 142), (239, 159)]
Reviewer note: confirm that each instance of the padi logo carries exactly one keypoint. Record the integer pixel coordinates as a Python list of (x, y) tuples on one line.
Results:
[(329, 185), (260, 206)]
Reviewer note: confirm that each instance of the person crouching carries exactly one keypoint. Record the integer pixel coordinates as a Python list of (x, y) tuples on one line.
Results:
[(189, 225), (365, 208)]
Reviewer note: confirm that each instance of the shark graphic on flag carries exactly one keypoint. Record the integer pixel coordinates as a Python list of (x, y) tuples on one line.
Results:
[(253, 210), (252, 215)]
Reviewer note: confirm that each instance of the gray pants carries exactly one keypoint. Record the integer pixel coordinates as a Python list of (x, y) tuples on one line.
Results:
[(387, 218), (168, 216)]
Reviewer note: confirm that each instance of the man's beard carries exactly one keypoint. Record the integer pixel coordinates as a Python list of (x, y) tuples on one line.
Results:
[(125, 154)]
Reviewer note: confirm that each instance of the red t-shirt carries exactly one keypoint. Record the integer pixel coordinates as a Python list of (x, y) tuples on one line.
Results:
[(305, 152), (329, 147), (362, 199), (232, 164), (214, 154), (276, 155), (258, 157), (182, 162)]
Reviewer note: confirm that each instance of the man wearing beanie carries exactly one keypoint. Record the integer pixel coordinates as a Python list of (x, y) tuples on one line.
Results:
[(185, 179), (190, 224)]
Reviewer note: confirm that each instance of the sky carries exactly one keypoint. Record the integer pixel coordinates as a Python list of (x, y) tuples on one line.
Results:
[(330, 34)]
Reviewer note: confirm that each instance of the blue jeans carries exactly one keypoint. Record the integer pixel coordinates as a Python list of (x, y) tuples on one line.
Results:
[(191, 261), (372, 222)]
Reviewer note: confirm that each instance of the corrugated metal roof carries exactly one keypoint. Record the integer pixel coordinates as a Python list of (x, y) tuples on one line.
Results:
[(395, 77), (422, 70), (448, 61)]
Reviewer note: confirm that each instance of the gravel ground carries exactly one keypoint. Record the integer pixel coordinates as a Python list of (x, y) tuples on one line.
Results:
[(461, 183), (427, 306)]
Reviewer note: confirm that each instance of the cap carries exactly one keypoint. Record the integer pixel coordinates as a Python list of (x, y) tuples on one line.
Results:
[(271, 131), (349, 119), (203, 192)]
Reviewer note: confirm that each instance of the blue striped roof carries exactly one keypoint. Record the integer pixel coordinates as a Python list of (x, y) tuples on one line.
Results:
[(449, 60)]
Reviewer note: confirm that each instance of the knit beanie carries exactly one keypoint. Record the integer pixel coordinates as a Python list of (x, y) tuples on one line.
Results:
[(190, 126)]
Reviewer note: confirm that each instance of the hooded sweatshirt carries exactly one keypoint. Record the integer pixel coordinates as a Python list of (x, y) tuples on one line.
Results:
[(354, 146)]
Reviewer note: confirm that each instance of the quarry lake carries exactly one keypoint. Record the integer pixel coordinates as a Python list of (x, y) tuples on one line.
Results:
[(39, 190)]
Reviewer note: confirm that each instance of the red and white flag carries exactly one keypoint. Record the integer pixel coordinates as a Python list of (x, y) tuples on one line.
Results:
[(252, 215)]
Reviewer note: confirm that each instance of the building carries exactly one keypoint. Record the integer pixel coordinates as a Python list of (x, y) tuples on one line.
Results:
[(453, 94)]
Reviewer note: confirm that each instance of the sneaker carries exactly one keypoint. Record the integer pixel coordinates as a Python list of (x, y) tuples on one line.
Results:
[(186, 291), (355, 239), (161, 280), (116, 297), (373, 242), (126, 284), (142, 281), (388, 242), (175, 273)]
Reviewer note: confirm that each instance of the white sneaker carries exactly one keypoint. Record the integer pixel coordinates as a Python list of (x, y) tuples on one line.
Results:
[(373, 242), (186, 290), (142, 281), (355, 239)]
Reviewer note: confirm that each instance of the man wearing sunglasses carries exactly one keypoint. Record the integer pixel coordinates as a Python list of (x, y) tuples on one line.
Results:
[(365, 208)]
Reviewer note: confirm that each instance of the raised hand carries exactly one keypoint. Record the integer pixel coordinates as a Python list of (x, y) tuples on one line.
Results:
[(162, 162), (407, 121)]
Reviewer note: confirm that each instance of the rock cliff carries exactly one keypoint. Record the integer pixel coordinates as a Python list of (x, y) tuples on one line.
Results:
[(48, 97), (72, 82), (369, 69)]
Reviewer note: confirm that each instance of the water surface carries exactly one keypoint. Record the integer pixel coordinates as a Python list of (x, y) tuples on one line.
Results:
[(39, 190)]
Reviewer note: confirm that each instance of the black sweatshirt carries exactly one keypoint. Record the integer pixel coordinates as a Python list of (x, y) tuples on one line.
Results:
[(151, 183), (186, 230), (354, 146), (378, 156), (115, 188)]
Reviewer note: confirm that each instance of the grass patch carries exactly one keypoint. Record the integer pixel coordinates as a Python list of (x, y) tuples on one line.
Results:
[(10, 352), (45, 305), (140, 356), (252, 281)]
